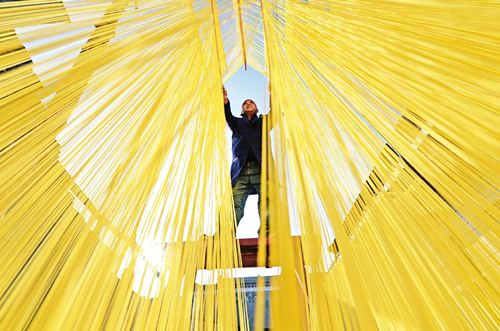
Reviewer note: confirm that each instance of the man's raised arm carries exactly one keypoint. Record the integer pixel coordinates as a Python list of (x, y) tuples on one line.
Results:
[(230, 119)]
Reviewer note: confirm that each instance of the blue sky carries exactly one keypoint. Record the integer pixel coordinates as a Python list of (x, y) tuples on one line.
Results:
[(249, 84)]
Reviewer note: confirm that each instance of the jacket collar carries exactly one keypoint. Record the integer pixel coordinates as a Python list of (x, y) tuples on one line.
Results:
[(254, 119)]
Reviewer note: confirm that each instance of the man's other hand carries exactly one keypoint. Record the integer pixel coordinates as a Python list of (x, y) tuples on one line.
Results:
[(224, 93)]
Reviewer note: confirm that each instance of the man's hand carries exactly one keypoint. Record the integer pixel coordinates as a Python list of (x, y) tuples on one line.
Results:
[(224, 93)]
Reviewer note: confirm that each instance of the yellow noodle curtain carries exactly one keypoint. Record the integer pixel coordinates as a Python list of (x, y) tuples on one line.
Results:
[(116, 194)]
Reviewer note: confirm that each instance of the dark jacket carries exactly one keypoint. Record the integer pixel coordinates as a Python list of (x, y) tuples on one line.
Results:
[(246, 135)]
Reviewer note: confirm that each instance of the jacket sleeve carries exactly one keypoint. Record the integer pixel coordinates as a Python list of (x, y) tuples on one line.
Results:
[(230, 119)]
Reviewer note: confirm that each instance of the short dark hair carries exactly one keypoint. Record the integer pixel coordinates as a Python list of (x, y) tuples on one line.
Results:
[(246, 101)]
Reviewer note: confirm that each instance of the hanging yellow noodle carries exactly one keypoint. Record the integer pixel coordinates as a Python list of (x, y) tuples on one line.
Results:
[(116, 197)]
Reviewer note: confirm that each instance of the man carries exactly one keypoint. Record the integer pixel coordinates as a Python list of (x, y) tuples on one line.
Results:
[(247, 154)]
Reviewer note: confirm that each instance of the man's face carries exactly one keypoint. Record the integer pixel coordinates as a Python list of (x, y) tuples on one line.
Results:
[(249, 108)]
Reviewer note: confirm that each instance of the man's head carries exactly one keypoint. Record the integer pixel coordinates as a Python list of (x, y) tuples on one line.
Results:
[(249, 108)]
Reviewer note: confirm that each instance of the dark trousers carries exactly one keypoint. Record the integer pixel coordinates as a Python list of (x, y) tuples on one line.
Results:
[(249, 180)]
